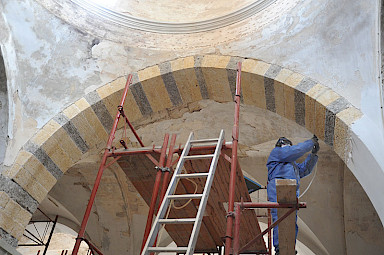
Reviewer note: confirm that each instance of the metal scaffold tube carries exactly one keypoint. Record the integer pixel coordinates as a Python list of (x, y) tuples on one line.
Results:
[(81, 233), (232, 182)]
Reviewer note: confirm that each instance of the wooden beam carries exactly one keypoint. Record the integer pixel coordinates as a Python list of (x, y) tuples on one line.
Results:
[(286, 193)]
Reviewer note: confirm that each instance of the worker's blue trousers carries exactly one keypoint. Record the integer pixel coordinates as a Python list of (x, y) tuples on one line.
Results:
[(271, 190)]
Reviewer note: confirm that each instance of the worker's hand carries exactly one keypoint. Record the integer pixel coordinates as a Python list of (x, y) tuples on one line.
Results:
[(315, 139), (316, 147)]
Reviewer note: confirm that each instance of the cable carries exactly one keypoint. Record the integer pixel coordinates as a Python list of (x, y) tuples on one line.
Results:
[(176, 207), (310, 183)]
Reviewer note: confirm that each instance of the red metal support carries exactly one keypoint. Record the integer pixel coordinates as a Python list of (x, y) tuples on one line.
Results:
[(232, 181), (168, 165), (269, 205), (236, 234), (269, 232), (245, 247), (93, 247), (252, 205), (81, 233), (155, 192)]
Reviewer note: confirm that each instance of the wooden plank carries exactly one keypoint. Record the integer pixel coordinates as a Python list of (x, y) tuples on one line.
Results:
[(286, 193), (140, 170)]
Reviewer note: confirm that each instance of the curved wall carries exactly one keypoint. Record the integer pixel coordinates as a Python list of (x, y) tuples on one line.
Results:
[(156, 93)]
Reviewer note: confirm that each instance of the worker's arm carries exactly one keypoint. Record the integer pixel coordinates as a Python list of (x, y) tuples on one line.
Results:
[(290, 153), (306, 167)]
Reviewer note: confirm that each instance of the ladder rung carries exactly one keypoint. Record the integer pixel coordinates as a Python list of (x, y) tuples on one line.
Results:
[(200, 156), (205, 140), (168, 249), (194, 175), (177, 221), (185, 196)]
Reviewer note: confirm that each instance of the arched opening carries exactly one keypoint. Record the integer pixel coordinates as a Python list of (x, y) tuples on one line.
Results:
[(163, 96)]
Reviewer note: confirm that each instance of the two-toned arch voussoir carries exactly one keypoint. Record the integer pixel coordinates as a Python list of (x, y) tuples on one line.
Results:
[(84, 126)]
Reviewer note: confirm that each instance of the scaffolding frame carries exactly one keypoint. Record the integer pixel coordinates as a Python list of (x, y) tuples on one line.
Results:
[(163, 167)]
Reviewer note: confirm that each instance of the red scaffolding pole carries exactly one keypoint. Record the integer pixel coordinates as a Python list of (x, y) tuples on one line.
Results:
[(232, 182), (164, 165), (120, 113)]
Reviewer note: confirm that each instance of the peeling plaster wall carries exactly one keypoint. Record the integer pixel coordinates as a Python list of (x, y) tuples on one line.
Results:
[(334, 42), (51, 66), (51, 62), (3, 109)]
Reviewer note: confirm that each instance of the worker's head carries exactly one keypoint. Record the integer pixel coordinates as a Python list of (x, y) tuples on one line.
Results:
[(283, 142)]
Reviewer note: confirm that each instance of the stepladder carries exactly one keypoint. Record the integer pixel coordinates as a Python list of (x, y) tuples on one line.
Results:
[(162, 220)]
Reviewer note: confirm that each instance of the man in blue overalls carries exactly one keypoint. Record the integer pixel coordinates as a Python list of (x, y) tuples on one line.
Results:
[(281, 165)]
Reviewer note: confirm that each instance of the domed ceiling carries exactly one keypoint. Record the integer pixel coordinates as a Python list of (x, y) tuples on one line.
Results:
[(167, 16)]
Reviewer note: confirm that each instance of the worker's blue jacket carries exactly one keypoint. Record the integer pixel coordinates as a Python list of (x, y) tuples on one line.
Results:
[(281, 165)]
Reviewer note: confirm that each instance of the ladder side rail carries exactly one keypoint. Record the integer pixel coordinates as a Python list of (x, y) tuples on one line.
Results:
[(164, 205), (203, 201)]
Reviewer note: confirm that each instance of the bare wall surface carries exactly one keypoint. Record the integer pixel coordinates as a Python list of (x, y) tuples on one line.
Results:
[(51, 62), (334, 42), (330, 225)]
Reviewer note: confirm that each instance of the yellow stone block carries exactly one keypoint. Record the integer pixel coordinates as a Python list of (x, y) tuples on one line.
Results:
[(12, 209), (316, 91), (6, 222), (293, 80), (217, 83), (349, 115), (283, 75), (154, 88), (22, 157), (131, 108), (40, 137), (248, 66), (91, 117), (62, 139), (40, 173), (4, 199), (343, 121), (82, 104), (18, 231), (37, 191), (12, 171), (254, 67), (320, 120), (310, 114), (289, 102), (149, 73), (112, 87), (177, 64), (253, 89), (327, 97), (279, 98), (215, 61), (183, 63), (188, 85), (340, 138), (51, 127), (61, 159), (85, 130), (29, 184), (23, 177), (111, 102), (71, 111)]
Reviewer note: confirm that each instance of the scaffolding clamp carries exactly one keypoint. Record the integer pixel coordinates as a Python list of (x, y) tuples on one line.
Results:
[(230, 214), (163, 169), (121, 110)]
